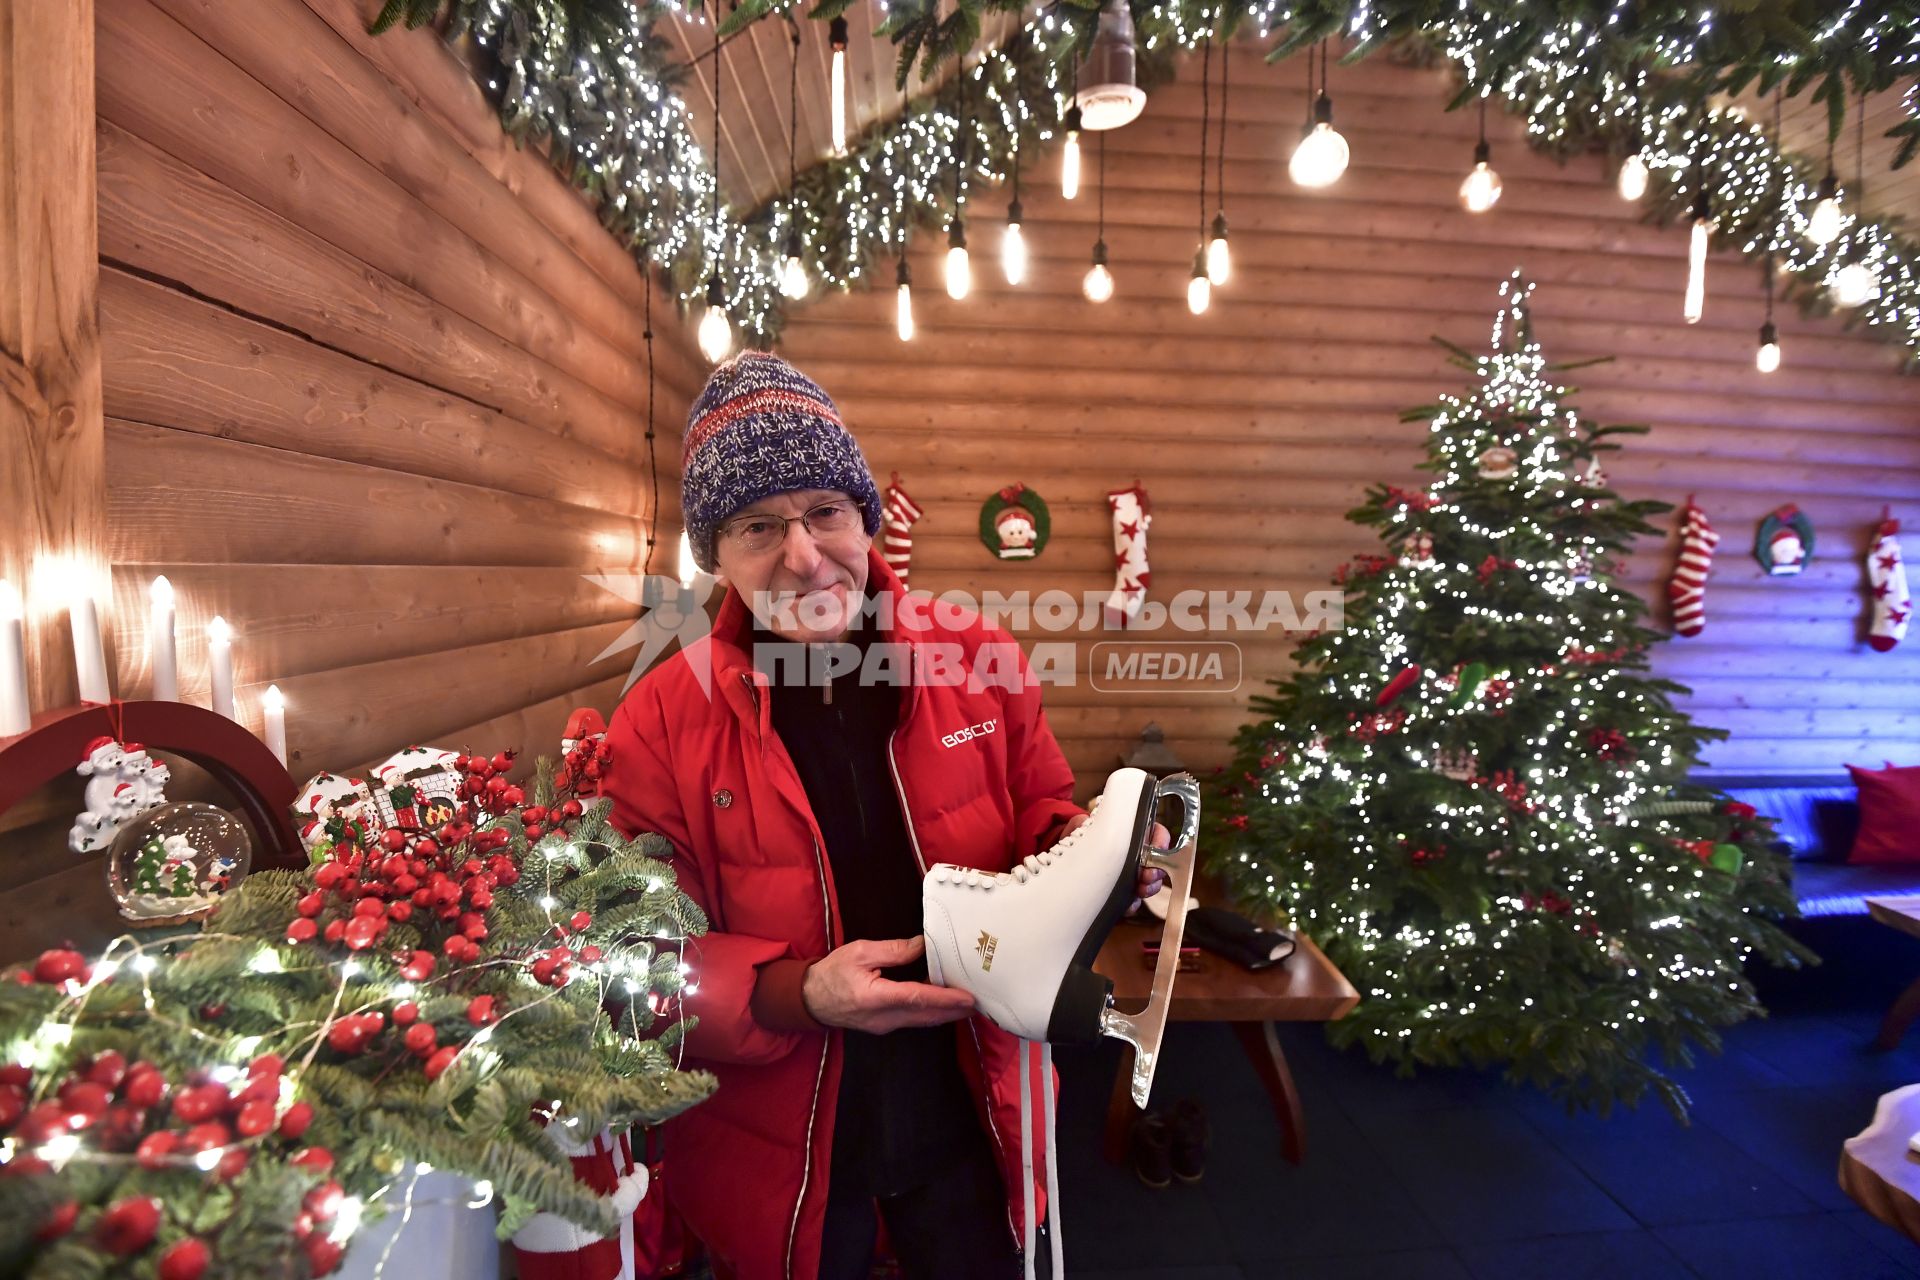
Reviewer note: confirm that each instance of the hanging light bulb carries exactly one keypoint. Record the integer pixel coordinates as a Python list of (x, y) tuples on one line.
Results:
[(1767, 358), (1098, 284), (1481, 190), (1070, 157), (1013, 247), (1856, 282), (903, 301), (837, 86), (1695, 304), (1823, 224), (716, 335), (1633, 175), (1110, 94), (1322, 155), (793, 272), (959, 269), (1219, 257), (1199, 287)]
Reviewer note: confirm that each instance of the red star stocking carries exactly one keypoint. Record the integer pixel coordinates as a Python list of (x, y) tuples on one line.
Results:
[(1887, 574), (1688, 586), (897, 517), (1132, 513)]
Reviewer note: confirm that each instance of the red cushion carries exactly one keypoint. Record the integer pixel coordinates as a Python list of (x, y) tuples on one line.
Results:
[(1889, 815)]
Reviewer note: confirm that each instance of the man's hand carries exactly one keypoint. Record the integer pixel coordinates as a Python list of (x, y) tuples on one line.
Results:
[(1151, 878), (847, 990)]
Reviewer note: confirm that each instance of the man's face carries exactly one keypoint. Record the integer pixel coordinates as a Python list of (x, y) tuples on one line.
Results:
[(806, 587)]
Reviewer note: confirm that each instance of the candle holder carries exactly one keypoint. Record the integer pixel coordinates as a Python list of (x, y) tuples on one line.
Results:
[(238, 761)]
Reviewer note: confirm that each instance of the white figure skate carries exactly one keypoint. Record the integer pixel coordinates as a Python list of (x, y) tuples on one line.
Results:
[(1023, 942)]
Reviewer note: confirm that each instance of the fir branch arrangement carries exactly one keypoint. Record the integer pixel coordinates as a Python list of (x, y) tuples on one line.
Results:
[(233, 1099)]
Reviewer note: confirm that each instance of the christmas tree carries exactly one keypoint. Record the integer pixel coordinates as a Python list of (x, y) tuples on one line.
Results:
[(231, 1099), (1477, 799)]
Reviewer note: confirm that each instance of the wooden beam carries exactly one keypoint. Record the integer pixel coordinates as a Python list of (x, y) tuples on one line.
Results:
[(52, 441)]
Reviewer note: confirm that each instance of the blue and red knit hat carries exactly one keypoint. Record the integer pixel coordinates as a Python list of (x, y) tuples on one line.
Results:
[(762, 427)]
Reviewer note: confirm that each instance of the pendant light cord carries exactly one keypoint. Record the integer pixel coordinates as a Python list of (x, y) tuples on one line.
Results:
[(793, 114), (653, 462), (1103, 183), (1309, 89), (714, 203), (1778, 93), (1206, 76), (1220, 176)]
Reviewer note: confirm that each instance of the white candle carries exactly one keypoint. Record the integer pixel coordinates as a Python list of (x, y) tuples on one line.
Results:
[(89, 656), (160, 650), (274, 703), (16, 713), (220, 657)]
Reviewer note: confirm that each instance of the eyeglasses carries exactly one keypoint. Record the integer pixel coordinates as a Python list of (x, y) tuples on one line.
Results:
[(763, 531)]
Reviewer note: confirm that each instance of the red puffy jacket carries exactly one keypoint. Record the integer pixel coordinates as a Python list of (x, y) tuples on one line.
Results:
[(748, 1167)]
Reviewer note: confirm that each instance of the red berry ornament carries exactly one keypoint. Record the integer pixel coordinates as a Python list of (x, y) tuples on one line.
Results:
[(480, 1011), (108, 1068), (421, 1039), (128, 1225), (185, 1260), (418, 967), (295, 1122), (302, 929), (315, 1160), (440, 1061), (255, 1118), (154, 1149), (58, 1222), (144, 1085), (59, 966)]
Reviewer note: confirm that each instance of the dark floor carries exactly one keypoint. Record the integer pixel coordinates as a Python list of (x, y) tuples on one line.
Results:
[(1452, 1174)]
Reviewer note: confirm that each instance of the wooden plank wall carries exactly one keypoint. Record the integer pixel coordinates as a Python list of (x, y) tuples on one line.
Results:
[(375, 391), (1256, 426)]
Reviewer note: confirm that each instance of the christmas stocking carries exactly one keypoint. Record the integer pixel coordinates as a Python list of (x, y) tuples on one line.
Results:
[(1888, 575), (897, 517), (549, 1247), (1688, 586), (1132, 513)]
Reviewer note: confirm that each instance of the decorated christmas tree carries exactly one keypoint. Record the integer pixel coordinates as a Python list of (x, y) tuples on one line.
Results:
[(233, 1098), (1476, 798)]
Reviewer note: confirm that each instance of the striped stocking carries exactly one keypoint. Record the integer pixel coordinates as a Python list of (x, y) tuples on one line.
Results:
[(1688, 586), (1888, 576), (1131, 577), (897, 517)]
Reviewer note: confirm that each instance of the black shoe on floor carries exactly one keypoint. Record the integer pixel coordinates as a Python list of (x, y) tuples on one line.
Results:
[(1152, 1148), (1187, 1141)]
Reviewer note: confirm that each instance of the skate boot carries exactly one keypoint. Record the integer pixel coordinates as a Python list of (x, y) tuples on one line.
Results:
[(1023, 943)]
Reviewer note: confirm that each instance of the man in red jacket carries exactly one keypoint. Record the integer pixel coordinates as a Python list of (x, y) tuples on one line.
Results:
[(830, 740)]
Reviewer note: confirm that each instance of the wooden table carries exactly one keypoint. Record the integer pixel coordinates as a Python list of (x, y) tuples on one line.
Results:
[(1902, 914), (1305, 987), (1876, 1168)]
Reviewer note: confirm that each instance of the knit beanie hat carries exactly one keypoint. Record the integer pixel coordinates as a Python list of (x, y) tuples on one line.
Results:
[(761, 427)]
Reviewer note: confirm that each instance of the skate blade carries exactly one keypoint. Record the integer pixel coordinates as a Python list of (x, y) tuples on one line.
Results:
[(1147, 1029)]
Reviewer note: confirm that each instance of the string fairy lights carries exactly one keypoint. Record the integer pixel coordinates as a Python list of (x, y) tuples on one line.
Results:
[(604, 96)]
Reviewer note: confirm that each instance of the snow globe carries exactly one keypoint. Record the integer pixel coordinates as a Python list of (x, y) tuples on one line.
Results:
[(171, 864)]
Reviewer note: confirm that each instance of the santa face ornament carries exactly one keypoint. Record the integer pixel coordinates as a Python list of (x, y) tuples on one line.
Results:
[(1785, 541), (1498, 463), (1014, 523)]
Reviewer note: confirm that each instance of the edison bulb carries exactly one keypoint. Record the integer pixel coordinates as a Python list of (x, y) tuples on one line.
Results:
[(715, 334), (837, 84), (1199, 288), (1695, 304), (1219, 256), (793, 278), (1481, 190), (1633, 177), (1854, 284), (1823, 224), (903, 311), (1013, 249), (1070, 166), (1320, 158), (1767, 358), (959, 267), (1098, 284)]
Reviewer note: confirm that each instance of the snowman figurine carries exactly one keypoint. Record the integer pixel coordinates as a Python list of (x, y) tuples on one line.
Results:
[(1014, 526)]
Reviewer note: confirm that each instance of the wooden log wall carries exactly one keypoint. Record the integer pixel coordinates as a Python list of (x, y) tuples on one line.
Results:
[(1256, 426), (376, 390)]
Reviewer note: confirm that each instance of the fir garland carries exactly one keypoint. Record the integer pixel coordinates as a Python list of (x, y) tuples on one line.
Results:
[(588, 78)]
